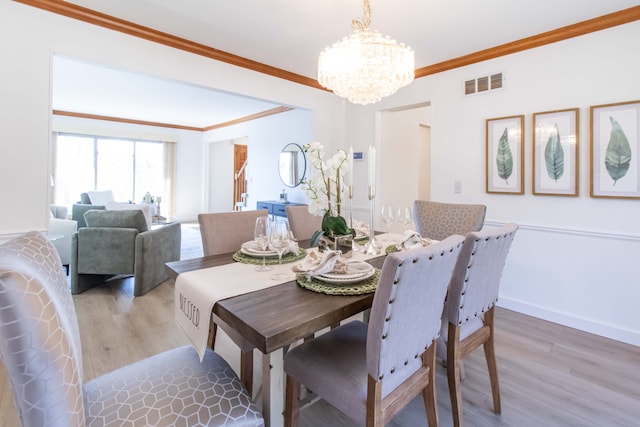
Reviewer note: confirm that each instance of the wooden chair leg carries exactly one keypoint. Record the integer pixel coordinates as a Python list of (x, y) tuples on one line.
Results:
[(429, 393), (374, 417), (490, 355), (291, 403), (453, 373)]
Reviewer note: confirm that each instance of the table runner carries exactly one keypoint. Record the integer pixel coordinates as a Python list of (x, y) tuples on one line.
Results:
[(197, 291)]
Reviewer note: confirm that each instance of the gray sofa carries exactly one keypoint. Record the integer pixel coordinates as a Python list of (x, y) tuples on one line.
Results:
[(117, 243)]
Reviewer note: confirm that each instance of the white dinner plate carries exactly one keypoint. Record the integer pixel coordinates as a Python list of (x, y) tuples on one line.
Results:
[(356, 271), (251, 248)]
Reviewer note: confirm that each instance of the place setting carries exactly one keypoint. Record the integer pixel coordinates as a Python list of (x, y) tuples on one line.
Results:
[(273, 244), (331, 273)]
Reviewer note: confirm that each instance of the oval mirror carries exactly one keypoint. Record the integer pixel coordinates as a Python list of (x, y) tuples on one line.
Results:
[(292, 165)]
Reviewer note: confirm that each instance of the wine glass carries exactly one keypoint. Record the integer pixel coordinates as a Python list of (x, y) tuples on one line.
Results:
[(279, 241), (405, 218), (388, 218), (261, 237)]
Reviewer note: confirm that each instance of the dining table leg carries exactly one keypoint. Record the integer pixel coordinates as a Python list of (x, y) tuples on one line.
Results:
[(273, 388)]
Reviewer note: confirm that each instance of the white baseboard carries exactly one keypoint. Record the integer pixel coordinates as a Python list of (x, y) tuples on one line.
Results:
[(608, 331)]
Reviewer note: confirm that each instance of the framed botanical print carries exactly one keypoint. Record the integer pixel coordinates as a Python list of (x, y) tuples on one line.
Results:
[(555, 152), (505, 159), (615, 150)]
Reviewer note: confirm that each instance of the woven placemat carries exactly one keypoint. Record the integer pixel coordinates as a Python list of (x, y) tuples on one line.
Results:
[(286, 258), (366, 286)]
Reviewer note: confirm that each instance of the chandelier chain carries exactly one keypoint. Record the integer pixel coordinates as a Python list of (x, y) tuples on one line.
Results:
[(363, 25)]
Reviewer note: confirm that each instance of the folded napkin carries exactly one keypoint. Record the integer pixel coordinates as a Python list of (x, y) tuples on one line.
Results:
[(316, 263), (293, 248), (412, 240)]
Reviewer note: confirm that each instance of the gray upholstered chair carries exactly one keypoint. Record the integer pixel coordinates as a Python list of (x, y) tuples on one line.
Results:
[(469, 308), (119, 242), (41, 351), (224, 232), (437, 220), (83, 205), (302, 222), (370, 372)]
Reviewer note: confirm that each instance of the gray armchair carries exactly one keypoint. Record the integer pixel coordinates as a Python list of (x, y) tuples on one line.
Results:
[(119, 242), (84, 205)]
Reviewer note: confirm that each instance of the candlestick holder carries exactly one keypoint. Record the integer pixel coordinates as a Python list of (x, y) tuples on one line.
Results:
[(354, 245), (372, 247)]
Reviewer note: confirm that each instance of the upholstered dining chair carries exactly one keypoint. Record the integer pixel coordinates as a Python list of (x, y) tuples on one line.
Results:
[(468, 316), (302, 222), (437, 220), (224, 232), (370, 372), (41, 351)]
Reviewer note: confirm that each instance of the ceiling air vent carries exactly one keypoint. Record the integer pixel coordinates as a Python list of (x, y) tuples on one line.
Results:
[(483, 84)]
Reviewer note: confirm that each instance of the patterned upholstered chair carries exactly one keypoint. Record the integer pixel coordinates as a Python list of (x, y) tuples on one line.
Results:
[(437, 220), (370, 372), (302, 222), (468, 311), (41, 351)]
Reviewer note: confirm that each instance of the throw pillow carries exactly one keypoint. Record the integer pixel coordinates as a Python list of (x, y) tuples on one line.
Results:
[(100, 197)]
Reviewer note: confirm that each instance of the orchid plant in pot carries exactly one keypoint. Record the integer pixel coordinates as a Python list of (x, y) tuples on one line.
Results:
[(324, 188)]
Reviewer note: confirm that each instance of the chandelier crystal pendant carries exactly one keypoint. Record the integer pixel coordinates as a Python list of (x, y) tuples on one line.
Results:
[(365, 66)]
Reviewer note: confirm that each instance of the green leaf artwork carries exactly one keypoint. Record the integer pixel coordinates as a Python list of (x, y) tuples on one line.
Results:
[(618, 156), (554, 155), (504, 158)]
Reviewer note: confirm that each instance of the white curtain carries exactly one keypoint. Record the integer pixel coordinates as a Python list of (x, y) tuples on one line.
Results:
[(168, 207)]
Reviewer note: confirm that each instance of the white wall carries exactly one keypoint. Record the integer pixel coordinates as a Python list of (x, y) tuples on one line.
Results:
[(25, 111), (575, 259), (265, 138)]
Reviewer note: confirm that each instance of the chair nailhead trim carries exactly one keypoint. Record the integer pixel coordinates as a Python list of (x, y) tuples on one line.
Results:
[(384, 336), (387, 319), (393, 370), (406, 362), (391, 301), (415, 260), (395, 282)]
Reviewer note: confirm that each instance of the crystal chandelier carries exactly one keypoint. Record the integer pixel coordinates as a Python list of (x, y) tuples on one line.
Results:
[(365, 66)]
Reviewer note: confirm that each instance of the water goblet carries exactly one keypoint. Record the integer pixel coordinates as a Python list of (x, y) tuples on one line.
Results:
[(279, 241), (261, 237), (405, 218), (387, 217)]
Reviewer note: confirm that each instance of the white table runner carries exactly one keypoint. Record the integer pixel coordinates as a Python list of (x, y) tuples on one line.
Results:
[(196, 292)]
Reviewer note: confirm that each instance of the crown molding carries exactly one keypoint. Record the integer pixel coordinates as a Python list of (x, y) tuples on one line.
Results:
[(74, 11), (259, 115), (614, 19), (80, 13)]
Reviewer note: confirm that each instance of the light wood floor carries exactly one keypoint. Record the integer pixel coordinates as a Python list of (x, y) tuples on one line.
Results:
[(550, 375)]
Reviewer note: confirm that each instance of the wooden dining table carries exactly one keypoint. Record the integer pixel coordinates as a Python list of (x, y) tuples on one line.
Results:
[(271, 320)]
